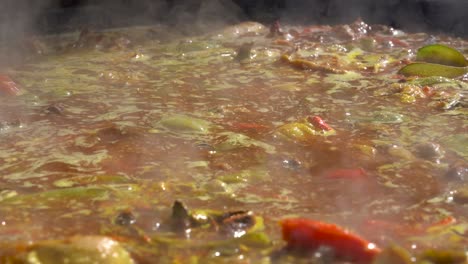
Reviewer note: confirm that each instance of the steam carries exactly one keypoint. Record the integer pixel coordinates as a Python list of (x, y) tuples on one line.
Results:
[(17, 18), (413, 15), (21, 18)]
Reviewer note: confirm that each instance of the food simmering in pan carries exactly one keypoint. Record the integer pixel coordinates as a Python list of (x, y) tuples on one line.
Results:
[(316, 144)]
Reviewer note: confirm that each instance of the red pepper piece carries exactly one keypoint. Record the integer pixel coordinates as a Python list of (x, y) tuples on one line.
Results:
[(308, 235), (318, 123), (8, 86), (449, 220), (428, 91), (358, 173)]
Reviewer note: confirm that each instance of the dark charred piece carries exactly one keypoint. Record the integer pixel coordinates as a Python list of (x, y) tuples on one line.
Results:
[(235, 222), (461, 195), (204, 146), (181, 219), (292, 164), (458, 171), (231, 224), (5, 125), (429, 151), (125, 218), (244, 51), (275, 30), (56, 109)]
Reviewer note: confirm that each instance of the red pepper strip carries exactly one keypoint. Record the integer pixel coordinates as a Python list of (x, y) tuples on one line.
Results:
[(444, 222), (358, 173), (8, 86), (318, 123), (308, 235)]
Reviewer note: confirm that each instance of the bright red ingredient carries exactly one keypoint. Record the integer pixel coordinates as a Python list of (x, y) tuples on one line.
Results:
[(444, 222), (357, 173), (308, 235), (318, 123), (428, 91), (8, 86)]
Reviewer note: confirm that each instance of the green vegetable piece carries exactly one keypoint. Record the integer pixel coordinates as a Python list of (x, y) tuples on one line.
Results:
[(444, 256), (393, 255), (79, 250), (457, 143), (302, 132), (183, 123), (297, 131), (255, 240), (67, 194), (248, 175), (6, 194), (441, 54), (236, 140), (368, 44), (433, 80), (386, 117), (423, 69), (93, 179)]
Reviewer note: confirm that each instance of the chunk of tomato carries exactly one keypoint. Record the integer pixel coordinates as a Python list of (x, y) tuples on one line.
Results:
[(308, 235)]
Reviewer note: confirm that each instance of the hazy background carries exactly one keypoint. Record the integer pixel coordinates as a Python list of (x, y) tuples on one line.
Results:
[(25, 17)]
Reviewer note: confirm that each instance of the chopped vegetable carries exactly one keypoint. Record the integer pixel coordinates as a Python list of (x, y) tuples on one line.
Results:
[(423, 69), (309, 65), (444, 256), (183, 123), (318, 123), (92, 179), (393, 255), (308, 235), (79, 250), (441, 54), (437, 60), (58, 195), (236, 223), (307, 130)]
